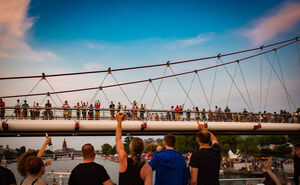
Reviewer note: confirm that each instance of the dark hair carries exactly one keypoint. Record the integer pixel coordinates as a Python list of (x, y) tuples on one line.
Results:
[(34, 165), (170, 140), (22, 161), (88, 151), (136, 150), (203, 136)]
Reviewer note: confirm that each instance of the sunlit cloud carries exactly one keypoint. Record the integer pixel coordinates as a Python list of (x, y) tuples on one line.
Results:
[(14, 24), (281, 20), (184, 43)]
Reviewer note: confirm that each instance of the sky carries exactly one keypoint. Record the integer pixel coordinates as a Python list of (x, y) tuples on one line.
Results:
[(53, 36)]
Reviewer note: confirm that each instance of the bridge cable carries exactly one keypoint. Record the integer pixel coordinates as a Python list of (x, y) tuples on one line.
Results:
[(287, 94), (105, 96), (181, 85), (121, 89), (157, 94), (213, 86), (298, 52), (227, 101), (269, 83), (148, 66), (189, 89), (249, 108), (140, 101), (203, 91), (283, 79), (98, 90), (260, 84), (248, 94), (159, 86), (31, 90), (146, 80), (53, 91)]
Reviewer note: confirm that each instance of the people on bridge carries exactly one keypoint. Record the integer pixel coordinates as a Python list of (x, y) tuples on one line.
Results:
[(25, 109), (17, 109), (6, 176), (142, 111), (78, 107), (2, 108), (170, 166), (37, 110), (48, 112), (91, 112), (134, 110), (132, 171), (66, 107), (84, 109), (89, 172), (97, 109), (112, 110), (205, 163)]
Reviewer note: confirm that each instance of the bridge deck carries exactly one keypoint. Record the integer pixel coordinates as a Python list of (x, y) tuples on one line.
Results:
[(108, 127)]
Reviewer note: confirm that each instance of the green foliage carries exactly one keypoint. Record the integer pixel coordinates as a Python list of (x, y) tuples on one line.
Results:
[(185, 143), (294, 139), (8, 154), (228, 142), (20, 150), (271, 139), (107, 149), (127, 141), (248, 146), (151, 148), (47, 152)]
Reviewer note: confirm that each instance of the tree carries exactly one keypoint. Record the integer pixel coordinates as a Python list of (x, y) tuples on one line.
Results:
[(151, 148), (228, 142), (186, 144), (107, 149), (127, 141), (47, 152), (8, 154), (248, 146), (21, 150)]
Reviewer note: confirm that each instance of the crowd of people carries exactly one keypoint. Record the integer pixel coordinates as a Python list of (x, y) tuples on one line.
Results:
[(86, 111), (201, 168)]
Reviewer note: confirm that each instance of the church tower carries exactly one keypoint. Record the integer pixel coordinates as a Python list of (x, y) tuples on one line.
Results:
[(64, 148)]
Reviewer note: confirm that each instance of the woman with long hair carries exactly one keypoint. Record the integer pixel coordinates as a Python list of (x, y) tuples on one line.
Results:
[(132, 171), (34, 170)]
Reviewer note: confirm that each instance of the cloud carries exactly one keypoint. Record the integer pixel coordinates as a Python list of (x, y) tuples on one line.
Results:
[(93, 66), (14, 25), (184, 43), (281, 20)]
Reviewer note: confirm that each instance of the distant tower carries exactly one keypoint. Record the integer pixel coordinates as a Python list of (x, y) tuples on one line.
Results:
[(64, 148)]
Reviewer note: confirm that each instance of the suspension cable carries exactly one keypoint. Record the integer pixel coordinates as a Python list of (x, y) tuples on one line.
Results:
[(231, 85), (298, 52), (181, 86), (54, 91), (98, 90), (203, 91), (159, 86), (260, 84), (269, 83), (32, 90), (246, 86), (154, 79), (157, 94), (213, 86), (140, 101), (121, 89), (189, 89), (149, 66), (281, 81)]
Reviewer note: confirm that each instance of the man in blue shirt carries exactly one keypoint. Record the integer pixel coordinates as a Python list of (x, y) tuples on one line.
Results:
[(170, 165)]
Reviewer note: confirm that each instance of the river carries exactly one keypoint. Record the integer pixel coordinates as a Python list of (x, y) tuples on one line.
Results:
[(66, 165)]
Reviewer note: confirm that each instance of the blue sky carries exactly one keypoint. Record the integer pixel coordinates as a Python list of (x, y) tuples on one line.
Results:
[(55, 36)]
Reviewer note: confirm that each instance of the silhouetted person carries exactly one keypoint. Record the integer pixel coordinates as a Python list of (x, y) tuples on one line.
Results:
[(6, 176)]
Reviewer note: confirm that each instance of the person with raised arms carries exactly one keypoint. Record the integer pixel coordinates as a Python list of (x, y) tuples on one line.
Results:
[(132, 171)]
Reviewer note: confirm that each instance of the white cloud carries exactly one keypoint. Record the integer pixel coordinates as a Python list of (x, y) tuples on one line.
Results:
[(93, 66), (184, 43), (280, 20), (14, 24)]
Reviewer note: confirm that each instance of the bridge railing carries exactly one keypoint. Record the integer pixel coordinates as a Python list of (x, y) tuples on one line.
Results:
[(56, 113)]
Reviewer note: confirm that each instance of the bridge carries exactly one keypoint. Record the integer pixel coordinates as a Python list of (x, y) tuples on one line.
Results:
[(64, 120)]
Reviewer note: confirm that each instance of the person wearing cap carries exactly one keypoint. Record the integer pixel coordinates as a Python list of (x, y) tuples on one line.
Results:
[(2, 108)]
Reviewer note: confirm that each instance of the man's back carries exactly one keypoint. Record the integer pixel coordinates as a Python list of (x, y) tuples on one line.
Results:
[(6, 176), (88, 173), (207, 160), (170, 168)]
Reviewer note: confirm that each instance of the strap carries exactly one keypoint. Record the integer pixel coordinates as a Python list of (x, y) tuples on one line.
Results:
[(22, 181), (35, 181)]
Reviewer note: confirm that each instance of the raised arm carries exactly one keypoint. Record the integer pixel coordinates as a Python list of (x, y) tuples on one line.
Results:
[(213, 138), (119, 145), (269, 171), (42, 150)]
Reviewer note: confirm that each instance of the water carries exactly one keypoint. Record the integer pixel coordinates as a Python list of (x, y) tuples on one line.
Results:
[(112, 168)]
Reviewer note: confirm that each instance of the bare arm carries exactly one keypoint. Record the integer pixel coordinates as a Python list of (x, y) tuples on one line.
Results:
[(194, 176), (269, 171), (146, 174), (108, 182), (213, 138), (42, 150), (119, 145)]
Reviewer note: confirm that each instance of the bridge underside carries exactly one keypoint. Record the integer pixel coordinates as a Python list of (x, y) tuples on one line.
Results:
[(15, 128)]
